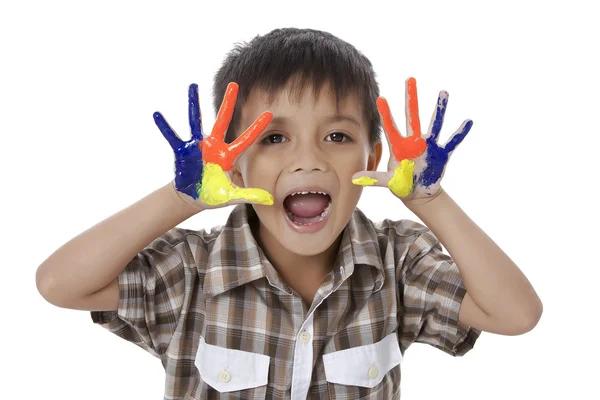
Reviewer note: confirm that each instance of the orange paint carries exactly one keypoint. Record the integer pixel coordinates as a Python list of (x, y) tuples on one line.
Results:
[(240, 144), (413, 106), (214, 149), (225, 111), (403, 148)]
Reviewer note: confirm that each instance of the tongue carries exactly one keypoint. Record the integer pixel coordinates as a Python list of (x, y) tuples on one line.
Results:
[(306, 205)]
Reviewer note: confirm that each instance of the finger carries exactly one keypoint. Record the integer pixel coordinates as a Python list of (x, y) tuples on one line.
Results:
[(167, 131), (402, 148), (392, 134), (437, 120), (194, 114), (225, 111), (458, 136), (413, 124), (253, 195), (234, 202), (240, 144), (372, 178)]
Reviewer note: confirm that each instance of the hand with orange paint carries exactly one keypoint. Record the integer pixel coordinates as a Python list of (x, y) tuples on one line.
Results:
[(417, 163), (202, 165)]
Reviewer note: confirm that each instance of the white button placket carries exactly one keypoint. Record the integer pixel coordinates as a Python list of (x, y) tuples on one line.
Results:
[(303, 354), (303, 357)]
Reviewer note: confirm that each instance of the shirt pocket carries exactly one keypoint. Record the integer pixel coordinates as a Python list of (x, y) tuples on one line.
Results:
[(365, 372), (232, 373)]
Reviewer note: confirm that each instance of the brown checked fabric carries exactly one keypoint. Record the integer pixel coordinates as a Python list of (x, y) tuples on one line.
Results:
[(225, 326)]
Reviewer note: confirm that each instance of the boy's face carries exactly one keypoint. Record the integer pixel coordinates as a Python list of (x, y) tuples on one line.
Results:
[(309, 146)]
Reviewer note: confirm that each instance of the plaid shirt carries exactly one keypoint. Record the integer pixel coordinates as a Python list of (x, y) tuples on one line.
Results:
[(225, 326)]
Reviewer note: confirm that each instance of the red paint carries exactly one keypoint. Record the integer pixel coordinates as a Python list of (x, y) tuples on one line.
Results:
[(214, 149), (402, 147)]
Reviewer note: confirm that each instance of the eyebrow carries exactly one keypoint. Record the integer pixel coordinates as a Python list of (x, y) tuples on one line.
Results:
[(330, 119)]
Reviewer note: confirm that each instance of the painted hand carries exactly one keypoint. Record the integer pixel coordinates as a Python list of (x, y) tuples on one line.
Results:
[(202, 164), (417, 164)]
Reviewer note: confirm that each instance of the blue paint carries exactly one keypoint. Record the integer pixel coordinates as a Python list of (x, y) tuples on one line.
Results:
[(439, 116), (436, 160), (458, 138), (437, 156), (188, 157), (194, 114)]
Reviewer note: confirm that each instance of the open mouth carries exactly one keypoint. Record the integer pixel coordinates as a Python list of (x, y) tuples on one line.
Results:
[(307, 207)]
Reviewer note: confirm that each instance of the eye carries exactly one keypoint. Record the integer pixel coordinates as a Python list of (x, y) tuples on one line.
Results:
[(338, 137), (273, 139)]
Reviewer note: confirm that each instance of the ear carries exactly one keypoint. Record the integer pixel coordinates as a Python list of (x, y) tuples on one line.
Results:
[(374, 157)]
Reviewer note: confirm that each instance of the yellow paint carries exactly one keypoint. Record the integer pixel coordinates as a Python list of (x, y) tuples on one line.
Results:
[(401, 183), (364, 181), (217, 189)]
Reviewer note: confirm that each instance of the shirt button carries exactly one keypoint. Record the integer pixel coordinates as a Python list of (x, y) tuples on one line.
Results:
[(305, 337), (373, 372), (224, 376)]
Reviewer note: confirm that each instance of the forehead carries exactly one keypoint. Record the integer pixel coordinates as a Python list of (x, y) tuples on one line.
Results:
[(291, 100)]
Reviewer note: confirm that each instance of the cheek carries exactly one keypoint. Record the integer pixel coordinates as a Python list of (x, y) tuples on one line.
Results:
[(247, 165), (258, 170), (351, 162)]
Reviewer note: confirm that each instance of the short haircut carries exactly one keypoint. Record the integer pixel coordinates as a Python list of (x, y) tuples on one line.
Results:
[(305, 58)]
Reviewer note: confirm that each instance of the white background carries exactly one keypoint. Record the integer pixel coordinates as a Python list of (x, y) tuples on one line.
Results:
[(80, 81)]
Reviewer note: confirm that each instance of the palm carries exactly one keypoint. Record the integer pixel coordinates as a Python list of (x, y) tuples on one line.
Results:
[(202, 164), (417, 163)]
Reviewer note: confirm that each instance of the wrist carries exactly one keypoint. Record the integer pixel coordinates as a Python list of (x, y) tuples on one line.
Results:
[(425, 205), (181, 202)]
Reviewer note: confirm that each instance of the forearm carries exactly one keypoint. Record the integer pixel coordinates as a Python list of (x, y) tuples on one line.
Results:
[(93, 259), (496, 285)]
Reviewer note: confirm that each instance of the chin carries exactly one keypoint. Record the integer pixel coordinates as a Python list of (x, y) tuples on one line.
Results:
[(308, 246), (306, 236)]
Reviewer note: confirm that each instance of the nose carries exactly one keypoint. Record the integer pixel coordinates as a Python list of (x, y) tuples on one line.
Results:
[(307, 157)]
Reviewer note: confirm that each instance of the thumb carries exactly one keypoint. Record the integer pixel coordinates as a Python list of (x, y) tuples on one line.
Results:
[(372, 178)]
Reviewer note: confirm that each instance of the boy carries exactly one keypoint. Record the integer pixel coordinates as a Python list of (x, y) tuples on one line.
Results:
[(299, 294)]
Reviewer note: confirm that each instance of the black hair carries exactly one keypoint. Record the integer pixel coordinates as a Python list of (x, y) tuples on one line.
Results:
[(305, 58)]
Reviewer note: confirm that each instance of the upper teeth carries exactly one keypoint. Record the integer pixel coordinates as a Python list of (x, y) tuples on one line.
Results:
[(323, 193)]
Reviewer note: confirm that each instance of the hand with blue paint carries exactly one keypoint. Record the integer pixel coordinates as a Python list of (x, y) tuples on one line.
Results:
[(202, 164), (417, 163)]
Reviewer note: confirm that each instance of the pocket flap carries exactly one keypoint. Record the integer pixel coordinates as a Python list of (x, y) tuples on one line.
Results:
[(363, 366), (228, 370)]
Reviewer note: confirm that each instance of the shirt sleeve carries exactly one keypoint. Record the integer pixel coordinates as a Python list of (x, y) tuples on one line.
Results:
[(433, 291), (152, 290)]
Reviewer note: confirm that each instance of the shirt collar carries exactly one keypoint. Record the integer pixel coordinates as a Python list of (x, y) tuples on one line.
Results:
[(236, 259), (360, 247)]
